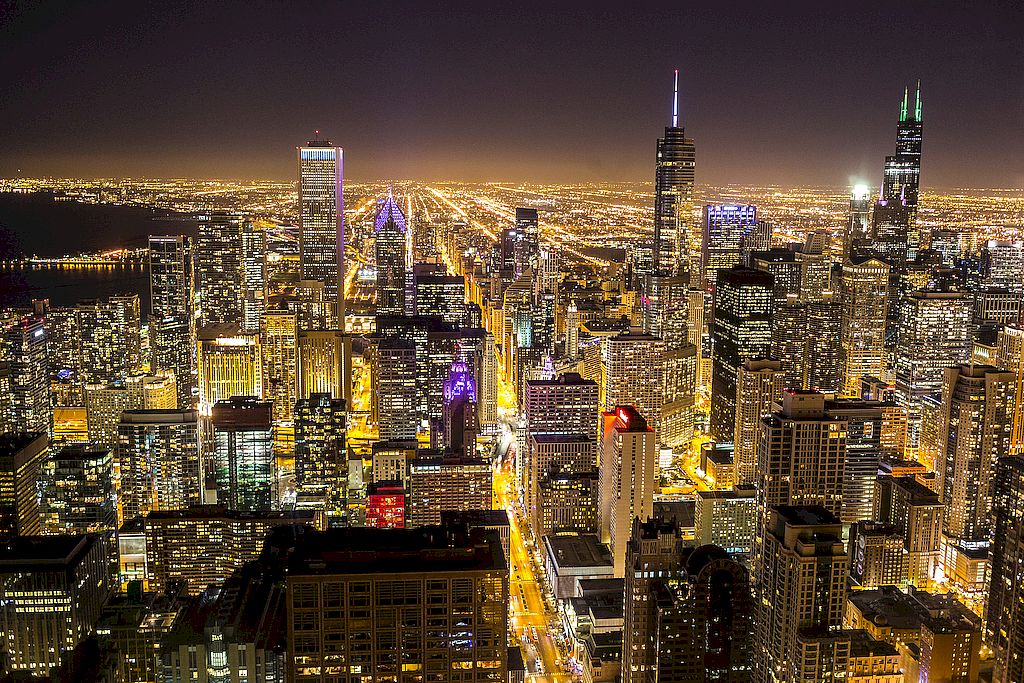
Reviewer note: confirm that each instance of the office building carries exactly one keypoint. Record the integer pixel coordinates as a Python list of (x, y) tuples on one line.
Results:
[(1005, 617), (759, 385), (864, 294), (320, 454), (460, 423), (916, 512), (567, 502), (667, 317), (27, 400), (675, 170), (111, 339), (1010, 357), (974, 432), (528, 246), (390, 228), (325, 363), (876, 555), (219, 274), (52, 589), (789, 339), (726, 519), (864, 421), (444, 483), (254, 256), (385, 505), (104, 403), (726, 227), (823, 363), (439, 293), (22, 455), (1002, 263), (172, 350), (741, 330), (801, 583), (170, 276), (394, 401), (230, 364), (553, 455), (858, 229), (244, 463), (64, 355), (390, 461), (158, 456), (632, 372), (321, 219), (79, 495), (279, 345), (628, 470), (203, 545)]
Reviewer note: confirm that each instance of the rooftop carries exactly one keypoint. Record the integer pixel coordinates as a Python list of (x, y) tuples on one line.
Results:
[(44, 553), (578, 550)]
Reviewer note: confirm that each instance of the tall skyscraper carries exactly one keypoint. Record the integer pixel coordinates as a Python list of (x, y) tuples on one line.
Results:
[(79, 494), (528, 246), (218, 260), (759, 384), (394, 399), (111, 337), (172, 350), (1010, 356), (22, 456), (741, 330), (320, 456), (674, 174), (27, 403), (667, 316), (628, 474), (390, 227), (243, 457), (459, 419), (632, 370), (230, 364), (865, 292), (158, 452), (1005, 617), (726, 226), (903, 169), (254, 254), (170, 275), (823, 364), (444, 483), (802, 589), (279, 346), (974, 432), (858, 230), (322, 220)]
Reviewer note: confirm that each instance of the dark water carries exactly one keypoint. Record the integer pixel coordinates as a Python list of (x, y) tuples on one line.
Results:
[(36, 225)]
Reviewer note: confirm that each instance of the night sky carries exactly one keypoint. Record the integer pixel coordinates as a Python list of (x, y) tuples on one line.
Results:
[(773, 93)]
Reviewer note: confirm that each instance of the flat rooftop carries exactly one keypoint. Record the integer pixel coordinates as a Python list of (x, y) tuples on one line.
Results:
[(43, 553), (578, 550)]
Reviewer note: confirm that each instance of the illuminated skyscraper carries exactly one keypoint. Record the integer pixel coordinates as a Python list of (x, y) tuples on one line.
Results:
[(628, 475), (528, 246), (667, 316), (243, 457), (865, 291), (172, 350), (1010, 356), (1005, 618), (394, 401), (390, 227), (64, 355), (170, 275), (674, 174), (79, 494), (279, 343), (219, 272), (230, 364), (974, 432), (1003, 262), (858, 230), (254, 252), (759, 384), (320, 456), (104, 403), (633, 371), (823, 363), (158, 452), (460, 421), (444, 483), (111, 337), (22, 456), (741, 330), (325, 363), (321, 218), (27, 403), (439, 294), (726, 226)]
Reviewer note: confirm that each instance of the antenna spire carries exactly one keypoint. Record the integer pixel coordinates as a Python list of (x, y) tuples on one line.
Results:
[(917, 105), (675, 100), (903, 107)]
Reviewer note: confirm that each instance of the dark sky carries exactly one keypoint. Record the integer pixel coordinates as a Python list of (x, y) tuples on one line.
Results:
[(778, 92)]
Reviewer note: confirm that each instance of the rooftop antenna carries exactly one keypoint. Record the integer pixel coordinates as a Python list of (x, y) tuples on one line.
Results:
[(316, 136), (903, 106), (675, 100), (917, 106)]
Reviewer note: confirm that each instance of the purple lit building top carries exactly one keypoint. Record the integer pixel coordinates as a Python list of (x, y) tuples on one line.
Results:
[(390, 212), (460, 383)]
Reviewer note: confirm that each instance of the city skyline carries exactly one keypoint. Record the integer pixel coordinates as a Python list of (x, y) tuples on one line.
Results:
[(818, 109)]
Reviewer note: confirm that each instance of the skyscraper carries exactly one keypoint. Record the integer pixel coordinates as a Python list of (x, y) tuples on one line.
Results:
[(632, 369), (823, 364), (79, 493), (459, 419), (230, 364), (279, 346), (111, 337), (528, 246), (394, 400), (243, 457), (628, 474), (254, 253), (170, 275), (28, 402), (322, 219), (741, 330), (1010, 356), (158, 452), (172, 350), (1005, 622), (218, 260), (320, 455), (865, 291), (390, 228), (22, 456), (759, 384), (726, 226), (858, 230), (675, 169)]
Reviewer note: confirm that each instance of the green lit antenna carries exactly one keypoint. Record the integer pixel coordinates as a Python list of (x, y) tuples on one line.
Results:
[(903, 107), (917, 106)]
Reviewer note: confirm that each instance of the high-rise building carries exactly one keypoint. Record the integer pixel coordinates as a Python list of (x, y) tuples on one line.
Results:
[(204, 544), (320, 456), (675, 170), (916, 512), (104, 403), (726, 519), (460, 422), (219, 275), (170, 276), (390, 461), (1005, 617), (439, 293), (801, 583), (325, 363), (628, 470), (390, 227), (823, 364), (528, 245), (243, 457), (1003, 262), (741, 330), (158, 455), (974, 432), (394, 400), (64, 355), (321, 219), (253, 266), (687, 611), (385, 505), (279, 343), (1010, 356), (789, 339), (28, 395), (864, 295), (230, 364), (725, 228), (444, 483), (52, 589), (22, 456), (632, 372), (759, 385), (864, 420), (111, 337), (172, 350), (79, 495), (567, 502), (462, 576), (667, 316), (858, 230), (895, 231)]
